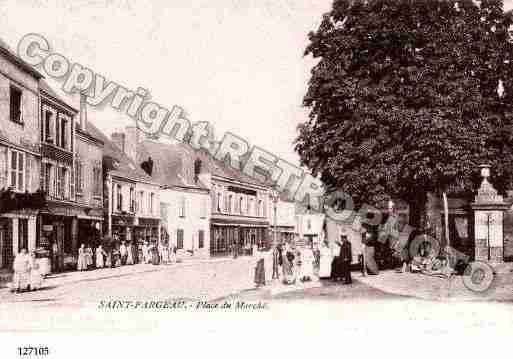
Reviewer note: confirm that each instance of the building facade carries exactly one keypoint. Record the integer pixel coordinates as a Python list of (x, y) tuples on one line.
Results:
[(20, 156)]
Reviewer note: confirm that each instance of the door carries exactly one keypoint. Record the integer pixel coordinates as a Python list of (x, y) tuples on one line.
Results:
[(6, 254)]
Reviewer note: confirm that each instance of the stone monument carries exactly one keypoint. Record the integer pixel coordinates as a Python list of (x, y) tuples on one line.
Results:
[(489, 210)]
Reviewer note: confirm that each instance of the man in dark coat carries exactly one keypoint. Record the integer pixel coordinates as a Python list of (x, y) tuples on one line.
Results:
[(346, 256)]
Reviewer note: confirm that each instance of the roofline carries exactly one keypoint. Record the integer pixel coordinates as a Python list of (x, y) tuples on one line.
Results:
[(20, 63), (244, 183), (58, 101), (131, 179), (88, 136), (186, 188)]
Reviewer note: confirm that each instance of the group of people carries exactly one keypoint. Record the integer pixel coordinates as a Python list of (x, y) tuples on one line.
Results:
[(27, 275), (294, 264), (125, 254)]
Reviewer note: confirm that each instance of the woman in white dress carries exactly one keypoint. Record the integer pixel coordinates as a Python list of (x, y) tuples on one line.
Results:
[(82, 261), (21, 267), (36, 279), (100, 257), (307, 263), (326, 258)]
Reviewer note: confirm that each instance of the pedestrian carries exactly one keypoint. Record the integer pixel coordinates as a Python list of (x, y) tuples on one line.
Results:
[(146, 253), (288, 265), (21, 267), (116, 257), (36, 279), (89, 256), (325, 260), (100, 257), (260, 271), (155, 257), (123, 252), (277, 261), (129, 254), (346, 256), (307, 264), (82, 261), (336, 266), (55, 258)]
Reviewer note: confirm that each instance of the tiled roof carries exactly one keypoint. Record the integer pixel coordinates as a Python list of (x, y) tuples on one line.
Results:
[(4, 48), (174, 164), (116, 161)]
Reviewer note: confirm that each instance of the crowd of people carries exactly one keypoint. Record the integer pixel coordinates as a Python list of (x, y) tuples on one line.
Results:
[(291, 263), (125, 253)]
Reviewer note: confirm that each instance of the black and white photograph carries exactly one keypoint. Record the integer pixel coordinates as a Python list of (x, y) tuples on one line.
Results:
[(294, 178)]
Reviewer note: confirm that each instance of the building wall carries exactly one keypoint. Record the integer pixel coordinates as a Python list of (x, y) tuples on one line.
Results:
[(88, 157), (190, 211), (143, 208)]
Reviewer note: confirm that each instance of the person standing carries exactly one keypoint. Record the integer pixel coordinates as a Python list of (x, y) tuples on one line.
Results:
[(89, 257), (36, 279), (21, 269), (277, 261), (288, 265), (100, 257), (145, 253), (123, 252), (336, 266), (346, 256), (55, 257), (325, 260), (129, 254), (307, 263), (82, 261), (260, 271)]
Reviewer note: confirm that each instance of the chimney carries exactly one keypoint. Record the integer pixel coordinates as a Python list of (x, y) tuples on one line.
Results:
[(119, 140), (131, 140), (83, 111)]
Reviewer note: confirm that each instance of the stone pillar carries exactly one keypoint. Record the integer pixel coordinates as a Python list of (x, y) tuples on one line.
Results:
[(489, 210), (32, 233)]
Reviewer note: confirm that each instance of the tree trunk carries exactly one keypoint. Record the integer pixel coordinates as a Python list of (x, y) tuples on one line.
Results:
[(446, 219), (418, 212)]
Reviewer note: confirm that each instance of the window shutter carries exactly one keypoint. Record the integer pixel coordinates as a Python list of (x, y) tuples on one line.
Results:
[(28, 165), (72, 184)]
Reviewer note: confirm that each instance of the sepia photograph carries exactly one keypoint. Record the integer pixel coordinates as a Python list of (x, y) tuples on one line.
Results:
[(298, 178)]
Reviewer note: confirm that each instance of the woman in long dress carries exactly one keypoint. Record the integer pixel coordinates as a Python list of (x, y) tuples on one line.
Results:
[(129, 254), (21, 267), (100, 257), (288, 265), (36, 279), (307, 264), (89, 256), (146, 253), (82, 261), (260, 269), (325, 261)]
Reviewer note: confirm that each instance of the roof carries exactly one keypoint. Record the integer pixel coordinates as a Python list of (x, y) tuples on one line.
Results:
[(115, 161), (173, 164), (46, 88), (6, 50)]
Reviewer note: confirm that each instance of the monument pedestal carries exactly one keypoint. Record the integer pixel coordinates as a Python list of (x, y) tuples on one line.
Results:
[(489, 210)]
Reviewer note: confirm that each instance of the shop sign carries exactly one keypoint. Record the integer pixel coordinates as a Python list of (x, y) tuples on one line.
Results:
[(47, 228)]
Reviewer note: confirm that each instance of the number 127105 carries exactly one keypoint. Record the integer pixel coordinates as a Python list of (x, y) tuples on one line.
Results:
[(33, 351)]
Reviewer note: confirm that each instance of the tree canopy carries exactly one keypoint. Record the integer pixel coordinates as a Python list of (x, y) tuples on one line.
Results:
[(404, 98)]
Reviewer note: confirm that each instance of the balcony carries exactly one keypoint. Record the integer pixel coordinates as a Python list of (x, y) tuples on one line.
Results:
[(49, 150)]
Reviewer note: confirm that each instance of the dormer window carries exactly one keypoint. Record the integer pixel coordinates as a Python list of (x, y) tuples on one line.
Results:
[(15, 104)]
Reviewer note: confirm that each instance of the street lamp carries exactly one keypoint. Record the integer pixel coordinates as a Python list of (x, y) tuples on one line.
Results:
[(275, 197)]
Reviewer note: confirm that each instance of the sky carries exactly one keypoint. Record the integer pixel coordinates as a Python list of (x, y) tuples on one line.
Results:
[(237, 64)]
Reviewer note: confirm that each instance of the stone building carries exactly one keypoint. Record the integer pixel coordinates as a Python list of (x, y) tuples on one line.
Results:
[(131, 197), (184, 195), (20, 156)]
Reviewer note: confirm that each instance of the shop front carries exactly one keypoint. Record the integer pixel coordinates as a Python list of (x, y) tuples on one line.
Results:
[(241, 236), (284, 234), (122, 226), (146, 229)]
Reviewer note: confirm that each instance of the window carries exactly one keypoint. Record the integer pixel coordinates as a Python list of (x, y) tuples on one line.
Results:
[(79, 183), (179, 239), (48, 120), (23, 233), (229, 207), (241, 204), (17, 169), (119, 198), (182, 207), (265, 207), (219, 199), (47, 176), (203, 209), (64, 131), (201, 238), (62, 182), (97, 181), (140, 202), (132, 200), (259, 208), (152, 203), (57, 132), (15, 103), (248, 207)]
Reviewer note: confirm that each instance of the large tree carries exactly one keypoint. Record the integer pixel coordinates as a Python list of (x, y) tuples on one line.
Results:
[(403, 100)]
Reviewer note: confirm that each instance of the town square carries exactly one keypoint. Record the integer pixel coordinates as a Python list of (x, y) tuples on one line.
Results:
[(333, 162)]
